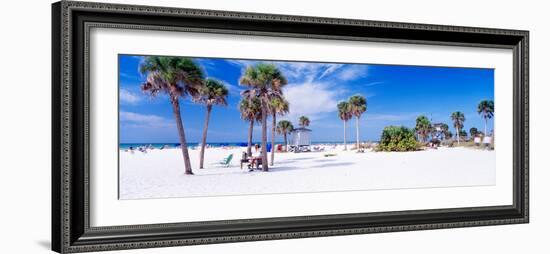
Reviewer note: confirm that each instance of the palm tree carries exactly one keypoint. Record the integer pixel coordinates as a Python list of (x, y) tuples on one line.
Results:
[(423, 127), (303, 121), (358, 106), (486, 109), (212, 93), (463, 133), (279, 106), (473, 132), (177, 77), (445, 129), (449, 135), (284, 127), (264, 81), (458, 122), (251, 110), (345, 115)]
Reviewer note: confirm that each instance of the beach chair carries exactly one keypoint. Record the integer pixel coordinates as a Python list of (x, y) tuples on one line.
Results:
[(257, 162), (226, 161), (245, 159)]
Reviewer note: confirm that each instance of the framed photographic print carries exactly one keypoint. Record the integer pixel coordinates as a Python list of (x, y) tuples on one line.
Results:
[(180, 126)]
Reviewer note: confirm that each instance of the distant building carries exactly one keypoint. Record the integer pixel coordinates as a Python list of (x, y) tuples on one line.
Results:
[(438, 126), (439, 131), (300, 140)]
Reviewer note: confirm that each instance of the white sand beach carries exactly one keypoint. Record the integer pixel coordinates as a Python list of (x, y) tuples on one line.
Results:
[(160, 173)]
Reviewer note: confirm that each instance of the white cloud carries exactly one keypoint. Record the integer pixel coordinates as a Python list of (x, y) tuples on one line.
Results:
[(311, 90), (352, 72), (294, 71), (373, 83), (128, 97), (305, 72), (301, 72), (330, 70), (136, 117), (131, 119), (126, 75), (233, 89), (310, 99), (242, 63)]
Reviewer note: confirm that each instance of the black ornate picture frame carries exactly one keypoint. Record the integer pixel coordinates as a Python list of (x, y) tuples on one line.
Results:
[(71, 230)]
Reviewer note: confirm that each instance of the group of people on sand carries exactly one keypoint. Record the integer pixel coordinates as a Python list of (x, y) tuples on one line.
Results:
[(142, 149)]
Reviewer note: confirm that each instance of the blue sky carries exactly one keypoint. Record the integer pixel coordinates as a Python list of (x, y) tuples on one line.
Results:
[(396, 95)]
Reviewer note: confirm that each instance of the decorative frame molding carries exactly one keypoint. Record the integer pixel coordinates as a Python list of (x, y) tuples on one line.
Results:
[(71, 23)]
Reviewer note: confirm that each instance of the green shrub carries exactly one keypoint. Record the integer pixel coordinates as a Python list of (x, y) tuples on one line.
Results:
[(398, 138)]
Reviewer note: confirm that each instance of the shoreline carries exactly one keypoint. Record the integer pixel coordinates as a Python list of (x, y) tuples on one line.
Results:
[(235, 144)]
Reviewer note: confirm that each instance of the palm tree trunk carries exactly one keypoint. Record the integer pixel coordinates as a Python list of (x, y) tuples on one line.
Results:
[(264, 139), (357, 131), (250, 131), (485, 133), (181, 132), (286, 144), (457, 136), (274, 121), (204, 132), (345, 135)]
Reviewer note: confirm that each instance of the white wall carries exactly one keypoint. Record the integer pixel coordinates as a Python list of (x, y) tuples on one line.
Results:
[(25, 125)]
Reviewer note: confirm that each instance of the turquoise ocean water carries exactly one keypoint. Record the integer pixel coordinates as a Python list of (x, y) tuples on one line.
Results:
[(220, 144)]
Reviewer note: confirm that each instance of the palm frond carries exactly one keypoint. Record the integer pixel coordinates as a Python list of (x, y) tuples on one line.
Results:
[(486, 108), (284, 127), (304, 121), (212, 92), (357, 104), (176, 76)]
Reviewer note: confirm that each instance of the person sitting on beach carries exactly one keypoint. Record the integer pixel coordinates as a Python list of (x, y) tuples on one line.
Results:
[(255, 161)]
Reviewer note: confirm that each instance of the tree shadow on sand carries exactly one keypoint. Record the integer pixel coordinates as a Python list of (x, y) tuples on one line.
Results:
[(337, 164), (300, 159), (284, 168), (324, 165), (324, 160), (293, 161)]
